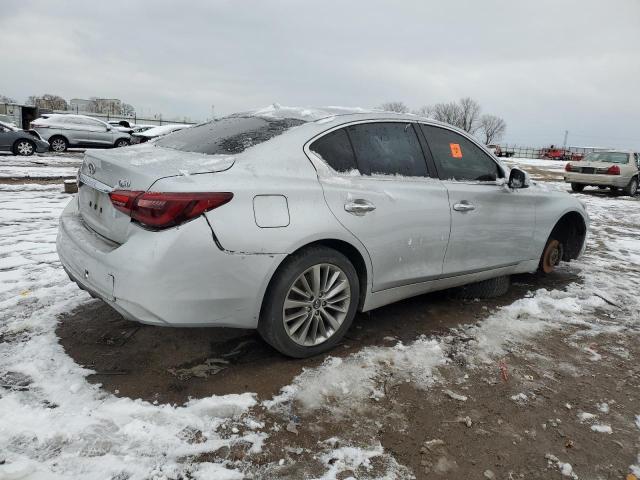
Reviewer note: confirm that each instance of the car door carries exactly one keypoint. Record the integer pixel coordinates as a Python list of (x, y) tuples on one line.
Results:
[(98, 133), (380, 190), (5, 138), (491, 225)]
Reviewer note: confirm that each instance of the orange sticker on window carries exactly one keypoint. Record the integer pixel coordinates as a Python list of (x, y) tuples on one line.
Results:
[(456, 151)]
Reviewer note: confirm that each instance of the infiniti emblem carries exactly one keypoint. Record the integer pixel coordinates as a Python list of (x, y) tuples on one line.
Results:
[(92, 168)]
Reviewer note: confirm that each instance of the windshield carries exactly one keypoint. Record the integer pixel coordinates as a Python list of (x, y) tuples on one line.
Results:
[(230, 135), (607, 157)]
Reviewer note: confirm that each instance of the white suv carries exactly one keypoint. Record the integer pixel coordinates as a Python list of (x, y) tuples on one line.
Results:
[(64, 131)]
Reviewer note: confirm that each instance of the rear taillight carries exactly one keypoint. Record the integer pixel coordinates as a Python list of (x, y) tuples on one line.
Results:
[(37, 125), (567, 167), (160, 210), (613, 170)]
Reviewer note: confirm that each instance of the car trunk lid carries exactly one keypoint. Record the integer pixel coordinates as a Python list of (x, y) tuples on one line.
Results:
[(132, 168)]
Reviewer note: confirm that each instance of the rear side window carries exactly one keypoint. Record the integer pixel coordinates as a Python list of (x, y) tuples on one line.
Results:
[(457, 158), (388, 148), (335, 149), (230, 135)]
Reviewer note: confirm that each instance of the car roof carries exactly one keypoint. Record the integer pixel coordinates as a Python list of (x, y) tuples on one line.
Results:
[(320, 119)]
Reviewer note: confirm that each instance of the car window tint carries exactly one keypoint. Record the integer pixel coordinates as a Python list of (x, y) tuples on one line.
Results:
[(457, 158), (388, 148), (229, 135), (335, 149)]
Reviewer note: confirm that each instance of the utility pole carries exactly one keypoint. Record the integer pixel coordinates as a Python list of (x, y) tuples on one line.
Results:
[(564, 144)]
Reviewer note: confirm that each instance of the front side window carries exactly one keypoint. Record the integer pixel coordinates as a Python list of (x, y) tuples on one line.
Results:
[(229, 135), (388, 148), (457, 158), (335, 149)]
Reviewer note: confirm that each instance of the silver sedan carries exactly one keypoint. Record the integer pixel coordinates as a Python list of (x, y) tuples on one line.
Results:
[(290, 221)]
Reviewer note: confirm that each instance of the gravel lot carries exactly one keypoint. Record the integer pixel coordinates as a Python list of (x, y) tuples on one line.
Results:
[(541, 383)]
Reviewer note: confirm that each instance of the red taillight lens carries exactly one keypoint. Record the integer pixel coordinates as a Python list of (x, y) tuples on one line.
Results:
[(567, 167), (166, 209), (613, 170), (123, 200)]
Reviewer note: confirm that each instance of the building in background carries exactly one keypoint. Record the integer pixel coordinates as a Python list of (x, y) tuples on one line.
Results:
[(80, 105), (19, 115)]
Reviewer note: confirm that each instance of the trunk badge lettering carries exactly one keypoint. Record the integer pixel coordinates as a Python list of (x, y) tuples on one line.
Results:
[(124, 183)]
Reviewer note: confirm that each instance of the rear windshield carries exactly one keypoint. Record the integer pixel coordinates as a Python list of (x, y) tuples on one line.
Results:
[(608, 157), (228, 135)]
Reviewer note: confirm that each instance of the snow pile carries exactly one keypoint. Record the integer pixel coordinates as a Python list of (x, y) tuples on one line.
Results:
[(345, 383), (53, 424)]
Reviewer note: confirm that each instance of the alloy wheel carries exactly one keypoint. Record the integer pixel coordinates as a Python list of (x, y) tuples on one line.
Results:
[(25, 148), (316, 304), (58, 145)]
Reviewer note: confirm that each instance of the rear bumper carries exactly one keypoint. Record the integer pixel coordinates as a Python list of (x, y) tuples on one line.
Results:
[(597, 179), (177, 277)]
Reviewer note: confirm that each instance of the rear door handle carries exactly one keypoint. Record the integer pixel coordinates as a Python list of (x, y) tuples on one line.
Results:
[(464, 206), (359, 206)]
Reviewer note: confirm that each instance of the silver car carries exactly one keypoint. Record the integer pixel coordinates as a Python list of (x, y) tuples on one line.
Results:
[(64, 131), (614, 169), (291, 226)]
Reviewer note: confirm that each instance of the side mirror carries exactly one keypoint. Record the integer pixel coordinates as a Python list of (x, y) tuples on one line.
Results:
[(518, 178), (109, 128)]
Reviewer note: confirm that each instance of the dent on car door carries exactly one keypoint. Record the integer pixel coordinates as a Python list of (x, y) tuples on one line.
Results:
[(491, 224), (381, 192)]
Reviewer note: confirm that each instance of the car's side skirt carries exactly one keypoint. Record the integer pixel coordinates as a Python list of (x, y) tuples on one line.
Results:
[(385, 297)]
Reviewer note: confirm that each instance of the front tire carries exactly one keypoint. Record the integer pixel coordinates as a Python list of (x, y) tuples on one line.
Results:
[(632, 188), (577, 187), (24, 148), (310, 303), (58, 144), (122, 142)]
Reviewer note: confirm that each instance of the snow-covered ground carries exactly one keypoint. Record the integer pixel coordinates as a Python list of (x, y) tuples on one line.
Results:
[(551, 165), (54, 424)]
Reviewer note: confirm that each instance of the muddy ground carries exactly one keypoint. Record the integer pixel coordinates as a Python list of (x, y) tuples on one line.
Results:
[(429, 432)]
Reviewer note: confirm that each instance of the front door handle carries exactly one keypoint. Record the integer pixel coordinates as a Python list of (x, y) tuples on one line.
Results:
[(359, 206), (464, 206)]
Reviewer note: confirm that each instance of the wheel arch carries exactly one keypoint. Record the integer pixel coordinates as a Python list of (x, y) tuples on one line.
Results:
[(353, 254), (571, 230), (58, 135)]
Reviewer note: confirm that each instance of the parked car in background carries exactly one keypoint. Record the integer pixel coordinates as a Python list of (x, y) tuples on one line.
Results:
[(155, 132), (498, 151), (64, 131), (613, 169), (290, 226), (19, 142)]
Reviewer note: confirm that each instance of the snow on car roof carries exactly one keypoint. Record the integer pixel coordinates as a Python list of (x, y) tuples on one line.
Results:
[(162, 130)]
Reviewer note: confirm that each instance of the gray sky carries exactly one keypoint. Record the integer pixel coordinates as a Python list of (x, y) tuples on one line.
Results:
[(543, 65)]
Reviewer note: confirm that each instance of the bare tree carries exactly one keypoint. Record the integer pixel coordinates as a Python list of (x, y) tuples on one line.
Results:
[(492, 127), (424, 111), (450, 113), (5, 99), (398, 107), (48, 101), (128, 110), (469, 114)]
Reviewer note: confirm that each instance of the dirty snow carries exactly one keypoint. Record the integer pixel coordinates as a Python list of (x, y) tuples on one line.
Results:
[(53, 424)]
